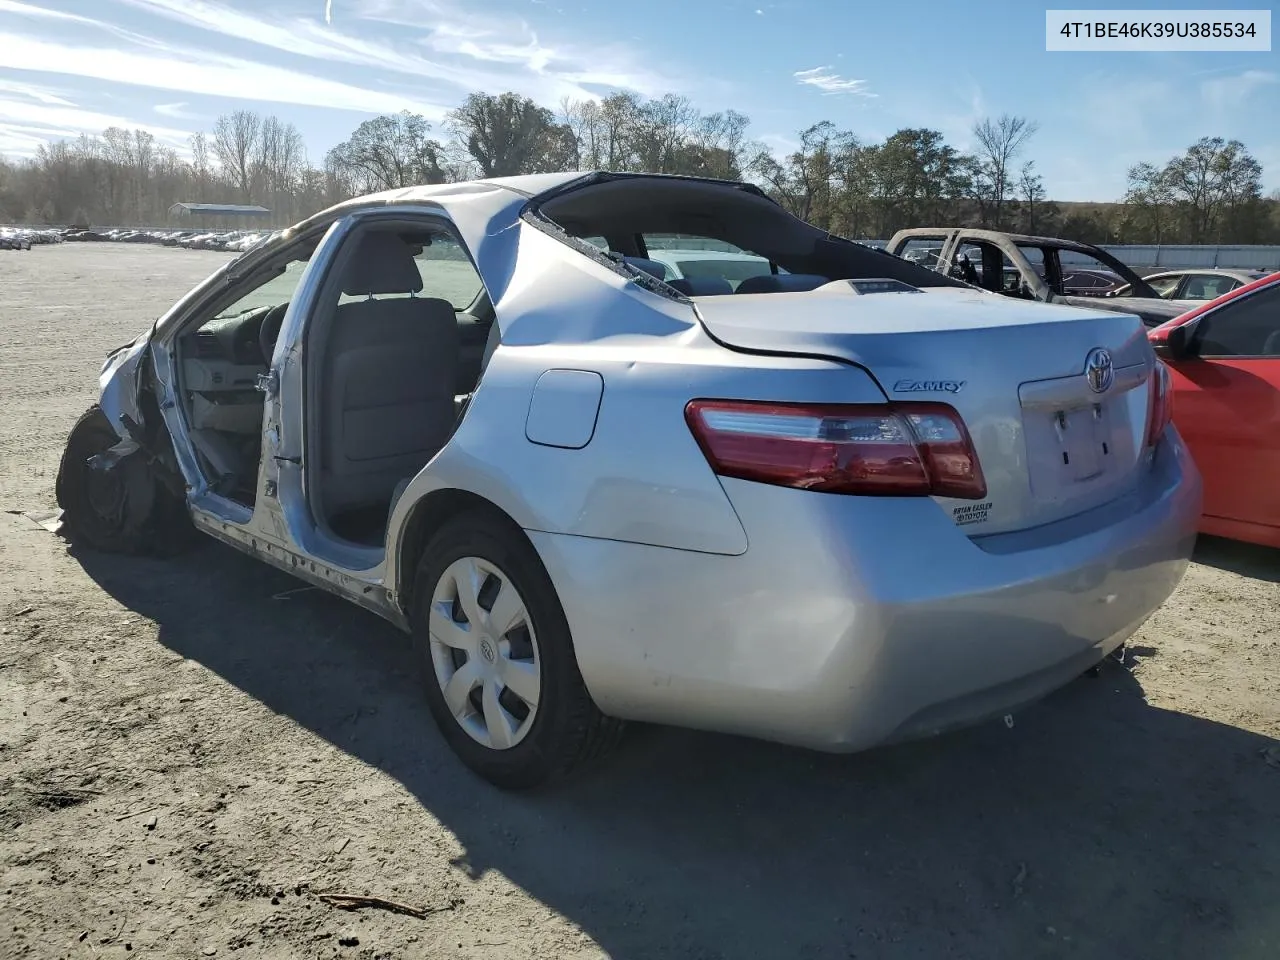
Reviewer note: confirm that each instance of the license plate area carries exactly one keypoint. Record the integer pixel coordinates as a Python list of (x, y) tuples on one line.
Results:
[(1072, 449), (1083, 439)]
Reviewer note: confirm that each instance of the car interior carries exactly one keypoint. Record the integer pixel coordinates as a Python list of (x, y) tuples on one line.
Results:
[(623, 211), (219, 363), (396, 346)]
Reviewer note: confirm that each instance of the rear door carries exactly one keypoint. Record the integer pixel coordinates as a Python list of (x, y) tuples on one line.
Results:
[(1227, 407)]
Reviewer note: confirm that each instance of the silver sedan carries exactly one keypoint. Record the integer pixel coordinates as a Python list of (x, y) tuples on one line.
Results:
[(1196, 285), (841, 502)]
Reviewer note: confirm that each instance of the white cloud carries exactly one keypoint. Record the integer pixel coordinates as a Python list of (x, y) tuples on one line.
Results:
[(25, 124), (178, 111), (43, 13), (781, 144), (1227, 92), (191, 71), (39, 94), (472, 45), (832, 83)]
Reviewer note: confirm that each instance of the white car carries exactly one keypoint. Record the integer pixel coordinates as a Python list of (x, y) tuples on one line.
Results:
[(1196, 284)]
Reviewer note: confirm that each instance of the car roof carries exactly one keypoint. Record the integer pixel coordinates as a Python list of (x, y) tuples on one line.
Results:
[(1238, 274)]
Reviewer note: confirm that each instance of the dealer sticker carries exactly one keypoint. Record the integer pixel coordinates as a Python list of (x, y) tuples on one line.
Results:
[(971, 513)]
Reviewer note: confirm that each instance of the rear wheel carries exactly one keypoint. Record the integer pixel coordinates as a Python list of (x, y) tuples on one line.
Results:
[(119, 510), (497, 659)]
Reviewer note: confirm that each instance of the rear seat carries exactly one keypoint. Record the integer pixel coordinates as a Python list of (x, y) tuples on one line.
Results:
[(702, 286), (651, 267), (781, 283)]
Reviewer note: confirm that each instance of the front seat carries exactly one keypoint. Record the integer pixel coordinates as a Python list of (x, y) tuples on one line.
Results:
[(388, 378)]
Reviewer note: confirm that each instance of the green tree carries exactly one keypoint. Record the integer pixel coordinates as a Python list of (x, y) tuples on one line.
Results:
[(391, 151), (508, 134)]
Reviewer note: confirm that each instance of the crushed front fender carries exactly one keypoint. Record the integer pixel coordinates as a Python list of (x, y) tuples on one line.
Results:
[(119, 386)]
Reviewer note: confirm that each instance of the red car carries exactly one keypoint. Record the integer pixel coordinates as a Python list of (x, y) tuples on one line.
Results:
[(1224, 361)]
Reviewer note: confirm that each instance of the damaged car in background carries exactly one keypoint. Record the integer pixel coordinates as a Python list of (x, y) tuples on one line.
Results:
[(843, 501), (1037, 268)]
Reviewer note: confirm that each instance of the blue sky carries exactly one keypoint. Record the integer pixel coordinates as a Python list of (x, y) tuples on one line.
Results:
[(171, 66)]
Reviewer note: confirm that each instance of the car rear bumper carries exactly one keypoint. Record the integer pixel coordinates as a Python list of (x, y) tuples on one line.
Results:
[(851, 622)]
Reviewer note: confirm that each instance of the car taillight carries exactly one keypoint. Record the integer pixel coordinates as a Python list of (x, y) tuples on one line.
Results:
[(1159, 403), (892, 449)]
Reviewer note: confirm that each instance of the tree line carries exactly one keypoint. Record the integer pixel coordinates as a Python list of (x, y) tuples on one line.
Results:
[(1212, 193)]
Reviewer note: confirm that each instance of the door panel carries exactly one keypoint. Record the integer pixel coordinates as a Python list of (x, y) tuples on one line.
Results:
[(1227, 406), (1228, 411)]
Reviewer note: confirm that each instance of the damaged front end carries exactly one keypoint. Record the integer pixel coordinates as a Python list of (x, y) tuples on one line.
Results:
[(118, 484)]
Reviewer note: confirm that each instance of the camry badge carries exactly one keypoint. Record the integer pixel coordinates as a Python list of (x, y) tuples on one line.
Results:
[(929, 386), (1099, 370)]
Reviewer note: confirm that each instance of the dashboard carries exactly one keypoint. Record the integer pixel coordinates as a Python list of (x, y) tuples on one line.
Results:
[(221, 363)]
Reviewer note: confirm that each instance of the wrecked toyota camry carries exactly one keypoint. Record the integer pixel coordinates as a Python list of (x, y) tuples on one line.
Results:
[(824, 496)]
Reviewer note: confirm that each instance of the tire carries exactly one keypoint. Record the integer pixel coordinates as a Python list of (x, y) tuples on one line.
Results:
[(129, 512), (565, 729)]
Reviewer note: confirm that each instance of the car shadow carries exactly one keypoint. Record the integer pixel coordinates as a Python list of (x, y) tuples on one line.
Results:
[(1094, 826), (1247, 559)]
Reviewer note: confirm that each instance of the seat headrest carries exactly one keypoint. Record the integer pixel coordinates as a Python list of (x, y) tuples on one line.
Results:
[(781, 283), (382, 264), (651, 267), (702, 286)]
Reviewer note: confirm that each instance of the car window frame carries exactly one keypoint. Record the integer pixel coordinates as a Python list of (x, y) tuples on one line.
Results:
[(1176, 290), (1200, 328), (1188, 278)]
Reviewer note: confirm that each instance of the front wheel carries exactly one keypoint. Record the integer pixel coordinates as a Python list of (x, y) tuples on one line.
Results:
[(121, 510), (497, 658)]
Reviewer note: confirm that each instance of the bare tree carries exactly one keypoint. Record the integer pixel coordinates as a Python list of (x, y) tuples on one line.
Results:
[(1031, 187), (200, 164), (235, 142), (279, 161), (999, 144)]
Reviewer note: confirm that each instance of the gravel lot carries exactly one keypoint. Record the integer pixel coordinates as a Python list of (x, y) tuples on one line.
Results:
[(189, 757)]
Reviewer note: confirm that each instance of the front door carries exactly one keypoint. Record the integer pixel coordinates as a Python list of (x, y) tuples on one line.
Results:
[(225, 357), (1227, 407)]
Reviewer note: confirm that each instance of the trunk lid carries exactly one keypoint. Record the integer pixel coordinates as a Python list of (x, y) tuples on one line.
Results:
[(1050, 445)]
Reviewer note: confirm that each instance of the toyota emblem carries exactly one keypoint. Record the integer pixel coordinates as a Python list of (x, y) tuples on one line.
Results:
[(1099, 370)]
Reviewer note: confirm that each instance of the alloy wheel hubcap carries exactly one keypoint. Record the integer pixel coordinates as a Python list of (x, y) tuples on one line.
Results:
[(484, 653)]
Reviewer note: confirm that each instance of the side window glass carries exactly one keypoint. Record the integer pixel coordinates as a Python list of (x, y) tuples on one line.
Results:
[(926, 251), (1165, 286), (447, 272), (271, 292), (1206, 287), (1247, 328)]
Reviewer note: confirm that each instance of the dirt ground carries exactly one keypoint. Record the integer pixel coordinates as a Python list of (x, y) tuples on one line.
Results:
[(190, 756)]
